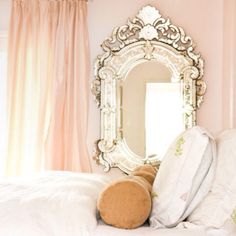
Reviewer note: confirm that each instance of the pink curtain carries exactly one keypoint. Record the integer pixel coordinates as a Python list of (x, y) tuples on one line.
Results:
[(48, 71)]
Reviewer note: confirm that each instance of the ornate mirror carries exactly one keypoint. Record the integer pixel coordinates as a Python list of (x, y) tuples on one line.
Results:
[(148, 88)]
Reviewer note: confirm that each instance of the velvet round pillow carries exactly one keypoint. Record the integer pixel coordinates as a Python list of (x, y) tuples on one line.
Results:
[(126, 203)]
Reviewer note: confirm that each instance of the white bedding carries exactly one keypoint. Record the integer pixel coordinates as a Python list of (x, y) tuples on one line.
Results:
[(184, 177), (105, 230), (63, 204), (56, 204)]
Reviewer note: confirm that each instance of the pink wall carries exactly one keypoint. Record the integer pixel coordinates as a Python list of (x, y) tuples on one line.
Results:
[(206, 22), (5, 6), (229, 65)]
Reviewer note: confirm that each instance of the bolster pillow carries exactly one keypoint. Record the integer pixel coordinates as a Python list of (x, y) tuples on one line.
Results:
[(126, 202)]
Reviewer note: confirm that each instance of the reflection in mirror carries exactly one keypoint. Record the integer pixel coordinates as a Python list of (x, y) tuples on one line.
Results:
[(164, 119), (151, 97)]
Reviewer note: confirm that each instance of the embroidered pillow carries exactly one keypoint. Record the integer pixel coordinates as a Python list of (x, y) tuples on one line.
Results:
[(184, 177), (218, 209)]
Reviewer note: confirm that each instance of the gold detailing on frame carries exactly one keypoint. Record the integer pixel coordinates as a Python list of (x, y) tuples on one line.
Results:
[(147, 37)]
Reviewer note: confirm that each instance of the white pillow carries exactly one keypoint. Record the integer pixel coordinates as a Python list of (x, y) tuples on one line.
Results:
[(218, 209), (184, 177)]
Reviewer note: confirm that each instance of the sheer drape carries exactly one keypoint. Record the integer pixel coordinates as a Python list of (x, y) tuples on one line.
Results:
[(48, 86)]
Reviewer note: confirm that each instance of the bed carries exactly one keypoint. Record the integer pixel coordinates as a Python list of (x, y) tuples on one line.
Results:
[(64, 204), (145, 230)]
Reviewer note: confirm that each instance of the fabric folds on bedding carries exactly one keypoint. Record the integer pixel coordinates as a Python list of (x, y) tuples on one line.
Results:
[(105, 230), (218, 209), (55, 204), (64, 204), (184, 178)]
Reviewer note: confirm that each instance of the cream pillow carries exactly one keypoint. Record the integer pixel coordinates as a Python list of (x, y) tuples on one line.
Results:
[(184, 177), (218, 209)]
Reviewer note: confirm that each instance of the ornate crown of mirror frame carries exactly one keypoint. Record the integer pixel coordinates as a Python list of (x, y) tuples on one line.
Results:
[(148, 36)]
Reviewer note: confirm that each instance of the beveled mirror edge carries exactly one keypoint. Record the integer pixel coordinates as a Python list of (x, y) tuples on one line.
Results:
[(150, 28)]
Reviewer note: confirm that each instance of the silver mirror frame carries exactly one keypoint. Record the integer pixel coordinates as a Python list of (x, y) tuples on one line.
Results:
[(148, 36)]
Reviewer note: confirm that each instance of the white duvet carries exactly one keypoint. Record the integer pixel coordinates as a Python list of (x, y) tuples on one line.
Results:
[(56, 204), (64, 204)]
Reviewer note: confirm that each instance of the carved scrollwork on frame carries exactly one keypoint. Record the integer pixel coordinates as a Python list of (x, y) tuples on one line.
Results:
[(98, 157), (149, 25), (146, 37)]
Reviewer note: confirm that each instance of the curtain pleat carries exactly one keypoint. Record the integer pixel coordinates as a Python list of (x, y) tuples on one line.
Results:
[(48, 75)]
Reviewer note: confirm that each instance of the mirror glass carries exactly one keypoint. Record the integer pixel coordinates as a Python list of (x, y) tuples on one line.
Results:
[(151, 112)]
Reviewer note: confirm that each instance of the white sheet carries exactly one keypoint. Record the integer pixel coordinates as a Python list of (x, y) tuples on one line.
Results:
[(105, 230), (56, 204)]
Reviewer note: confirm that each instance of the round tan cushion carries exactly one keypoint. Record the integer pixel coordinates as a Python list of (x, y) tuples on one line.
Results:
[(126, 203)]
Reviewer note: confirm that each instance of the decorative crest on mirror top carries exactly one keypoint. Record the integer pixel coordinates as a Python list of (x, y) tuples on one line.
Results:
[(145, 37)]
